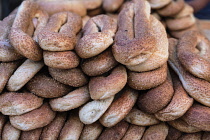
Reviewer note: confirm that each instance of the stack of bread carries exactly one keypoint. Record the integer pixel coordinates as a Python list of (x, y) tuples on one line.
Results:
[(96, 69), (177, 14)]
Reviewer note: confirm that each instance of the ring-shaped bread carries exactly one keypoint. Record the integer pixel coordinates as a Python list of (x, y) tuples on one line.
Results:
[(61, 60), (119, 108), (13, 103), (97, 36), (23, 29), (181, 23), (159, 96), (46, 87), (193, 51), (147, 80), (134, 40), (160, 53), (173, 8), (59, 34), (196, 87), (102, 87), (23, 74), (37, 118), (99, 64), (74, 77)]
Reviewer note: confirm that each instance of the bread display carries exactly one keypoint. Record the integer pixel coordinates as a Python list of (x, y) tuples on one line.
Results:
[(104, 70)]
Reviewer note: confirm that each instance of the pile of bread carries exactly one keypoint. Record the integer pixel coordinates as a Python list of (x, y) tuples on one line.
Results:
[(107, 70)]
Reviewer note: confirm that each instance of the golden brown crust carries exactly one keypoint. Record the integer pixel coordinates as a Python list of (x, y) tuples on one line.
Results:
[(52, 130), (23, 74), (147, 80), (179, 104), (114, 133), (173, 8), (198, 116), (104, 87), (60, 32), (6, 70), (98, 35), (54, 6), (112, 5), (134, 44), (44, 86), (91, 131), (193, 53), (93, 110), (175, 24), (73, 77), (158, 132), (137, 117), (195, 87), (160, 53), (32, 134), (72, 100), (119, 108), (13, 103), (10, 132), (35, 119), (72, 128), (159, 96), (134, 132), (182, 126), (61, 60), (99, 64), (19, 37)]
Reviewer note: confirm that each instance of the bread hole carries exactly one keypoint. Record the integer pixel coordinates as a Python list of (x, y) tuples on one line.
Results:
[(35, 22), (133, 27), (99, 28), (62, 25)]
